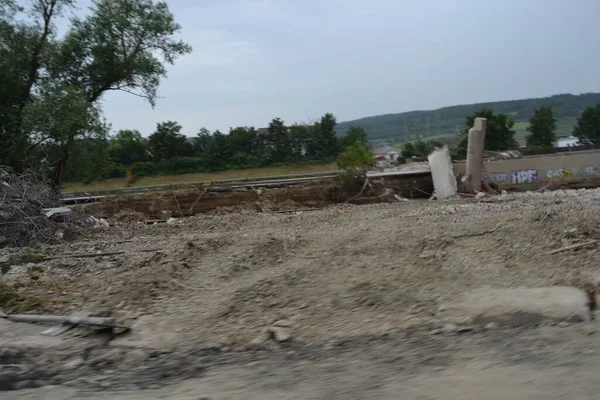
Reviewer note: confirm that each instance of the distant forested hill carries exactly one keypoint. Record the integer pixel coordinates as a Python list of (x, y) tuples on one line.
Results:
[(447, 122)]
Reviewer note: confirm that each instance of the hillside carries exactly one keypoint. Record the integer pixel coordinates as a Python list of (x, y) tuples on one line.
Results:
[(447, 122)]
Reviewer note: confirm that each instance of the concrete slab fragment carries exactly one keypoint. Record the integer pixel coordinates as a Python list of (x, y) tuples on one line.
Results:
[(519, 306), (442, 173)]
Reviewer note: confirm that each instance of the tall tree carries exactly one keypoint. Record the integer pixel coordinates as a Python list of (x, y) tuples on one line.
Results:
[(202, 142), (499, 134), (542, 129), (323, 142), (128, 147), (355, 133), (59, 118), (588, 126), (279, 137), (122, 45), (168, 142), (244, 146), (88, 160), (119, 45), (27, 37)]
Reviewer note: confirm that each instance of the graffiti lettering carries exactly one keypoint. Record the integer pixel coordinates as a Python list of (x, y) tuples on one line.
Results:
[(525, 176), (589, 170), (559, 173), (499, 177)]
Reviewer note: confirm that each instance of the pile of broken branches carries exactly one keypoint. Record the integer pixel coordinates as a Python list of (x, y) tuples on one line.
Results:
[(22, 199)]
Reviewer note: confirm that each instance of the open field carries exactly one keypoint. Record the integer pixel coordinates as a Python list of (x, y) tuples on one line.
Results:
[(117, 183), (354, 295)]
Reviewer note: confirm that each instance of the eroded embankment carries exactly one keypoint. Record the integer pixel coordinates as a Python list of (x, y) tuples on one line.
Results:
[(186, 203)]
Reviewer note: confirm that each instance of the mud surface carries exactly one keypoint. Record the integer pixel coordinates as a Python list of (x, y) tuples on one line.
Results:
[(352, 294)]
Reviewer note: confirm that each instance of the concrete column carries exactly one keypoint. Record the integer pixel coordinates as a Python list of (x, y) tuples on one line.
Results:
[(472, 179), (442, 173)]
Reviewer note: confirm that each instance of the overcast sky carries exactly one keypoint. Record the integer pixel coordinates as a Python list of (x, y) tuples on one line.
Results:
[(254, 60)]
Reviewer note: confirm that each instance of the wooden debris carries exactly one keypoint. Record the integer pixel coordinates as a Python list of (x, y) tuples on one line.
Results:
[(56, 319), (571, 247), (478, 233)]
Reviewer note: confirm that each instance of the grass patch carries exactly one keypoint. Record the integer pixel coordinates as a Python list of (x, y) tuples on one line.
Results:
[(14, 302), (118, 183)]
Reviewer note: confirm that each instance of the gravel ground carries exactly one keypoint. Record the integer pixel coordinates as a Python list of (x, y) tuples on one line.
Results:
[(224, 279), (309, 281)]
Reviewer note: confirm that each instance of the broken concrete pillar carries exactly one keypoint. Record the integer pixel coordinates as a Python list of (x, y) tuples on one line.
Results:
[(472, 179), (442, 173)]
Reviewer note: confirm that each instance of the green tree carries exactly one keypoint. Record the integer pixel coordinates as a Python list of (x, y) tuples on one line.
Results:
[(89, 160), (167, 142), (128, 147), (119, 45), (588, 126), (55, 122), (27, 38), (220, 152), (355, 133), (281, 142), (542, 129), (201, 142), (244, 147), (418, 150), (300, 135), (356, 159), (323, 141), (499, 134)]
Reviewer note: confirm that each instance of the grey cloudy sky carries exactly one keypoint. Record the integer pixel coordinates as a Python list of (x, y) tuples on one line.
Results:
[(297, 59)]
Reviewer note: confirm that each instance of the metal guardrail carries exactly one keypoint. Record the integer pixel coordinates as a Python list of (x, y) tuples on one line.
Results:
[(251, 181)]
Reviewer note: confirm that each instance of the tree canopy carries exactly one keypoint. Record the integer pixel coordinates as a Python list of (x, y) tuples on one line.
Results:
[(542, 129), (588, 125), (356, 159), (119, 45), (499, 134), (418, 150)]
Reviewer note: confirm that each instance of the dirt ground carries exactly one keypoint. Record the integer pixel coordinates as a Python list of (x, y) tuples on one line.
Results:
[(352, 292)]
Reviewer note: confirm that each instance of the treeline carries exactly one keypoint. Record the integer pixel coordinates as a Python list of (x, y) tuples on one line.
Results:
[(500, 135), (168, 151), (450, 120)]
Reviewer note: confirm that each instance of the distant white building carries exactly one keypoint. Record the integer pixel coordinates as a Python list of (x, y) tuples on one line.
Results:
[(386, 156), (568, 141)]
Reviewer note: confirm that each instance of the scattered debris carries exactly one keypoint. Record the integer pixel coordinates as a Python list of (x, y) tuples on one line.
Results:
[(280, 334), (24, 201), (480, 196), (404, 199), (49, 212), (98, 223)]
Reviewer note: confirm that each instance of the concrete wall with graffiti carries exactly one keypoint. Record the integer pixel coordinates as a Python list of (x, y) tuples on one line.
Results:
[(543, 168)]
